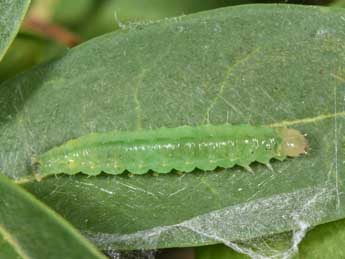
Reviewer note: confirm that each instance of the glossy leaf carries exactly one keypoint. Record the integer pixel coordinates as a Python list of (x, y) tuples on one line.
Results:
[(277, 65), (31, 230), (11, 16)]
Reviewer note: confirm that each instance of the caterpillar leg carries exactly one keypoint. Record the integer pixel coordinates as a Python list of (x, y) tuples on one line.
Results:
[(269, 166), (249, 169), (179, 173), (130, 175)]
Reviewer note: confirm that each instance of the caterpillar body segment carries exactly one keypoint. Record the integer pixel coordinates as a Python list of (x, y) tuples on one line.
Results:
[(164, 149)]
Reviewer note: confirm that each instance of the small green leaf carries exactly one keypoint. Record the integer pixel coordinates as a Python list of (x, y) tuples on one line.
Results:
[(324, 241), (280, 65), (219, 252), (11, 16), (29, 229), (26, 51)]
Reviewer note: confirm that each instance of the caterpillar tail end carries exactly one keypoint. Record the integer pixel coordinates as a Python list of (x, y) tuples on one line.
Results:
[(294, 143)]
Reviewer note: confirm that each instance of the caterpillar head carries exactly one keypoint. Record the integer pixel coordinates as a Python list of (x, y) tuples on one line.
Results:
[(294, 142)]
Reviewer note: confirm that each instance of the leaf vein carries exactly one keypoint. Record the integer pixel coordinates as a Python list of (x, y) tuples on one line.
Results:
[(14, 243)]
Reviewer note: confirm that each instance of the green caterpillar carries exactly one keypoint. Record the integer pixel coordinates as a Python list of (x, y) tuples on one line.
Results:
[(164, 149)]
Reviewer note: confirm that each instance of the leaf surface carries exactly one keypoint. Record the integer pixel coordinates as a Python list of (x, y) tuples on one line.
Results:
[(11, 16), (29, 229), (277, 65)]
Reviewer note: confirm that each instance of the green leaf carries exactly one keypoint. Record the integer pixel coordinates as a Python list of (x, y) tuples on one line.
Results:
[(93, 17), (280, 246), (11, 16), (114, 13), (29, 229), (279, 65), (26, 51), (7, 250), (219, 252), (337, 3), (324, 241), (72, 13)]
